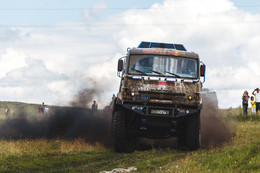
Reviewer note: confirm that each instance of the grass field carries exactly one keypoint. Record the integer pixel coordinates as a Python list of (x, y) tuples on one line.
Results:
[(240, 154)]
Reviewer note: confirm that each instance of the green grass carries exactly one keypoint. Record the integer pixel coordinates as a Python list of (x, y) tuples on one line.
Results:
[(50, 156), (239, 154)]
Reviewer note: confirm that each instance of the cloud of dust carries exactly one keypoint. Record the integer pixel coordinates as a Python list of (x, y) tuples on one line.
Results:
[(62, 123), (214, 131), (79, 121), (70, 122), (74, 121), (83, 98)]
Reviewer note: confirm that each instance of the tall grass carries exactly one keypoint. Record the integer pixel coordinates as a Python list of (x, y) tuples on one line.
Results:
[(37, 146)]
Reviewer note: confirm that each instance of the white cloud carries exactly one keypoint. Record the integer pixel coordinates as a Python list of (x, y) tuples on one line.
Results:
[(7, 34), (93, 14), (34, 73), (225, 37), (11, 59)]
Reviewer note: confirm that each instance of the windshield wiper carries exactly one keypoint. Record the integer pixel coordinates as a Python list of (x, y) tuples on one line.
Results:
[(173, 74), (157, 72), (139, 71)]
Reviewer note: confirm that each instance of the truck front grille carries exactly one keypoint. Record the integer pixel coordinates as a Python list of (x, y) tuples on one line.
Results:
[(166, 97)]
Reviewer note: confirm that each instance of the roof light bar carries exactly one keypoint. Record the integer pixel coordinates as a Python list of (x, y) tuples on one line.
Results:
[(145, 44)]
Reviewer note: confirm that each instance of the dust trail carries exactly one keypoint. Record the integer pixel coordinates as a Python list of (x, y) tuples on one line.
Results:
[(214, 131), (71, 122), (83, 98), (78, 121), (63, 123)]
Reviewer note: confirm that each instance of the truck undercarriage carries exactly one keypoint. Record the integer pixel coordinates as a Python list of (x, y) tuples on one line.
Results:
[(157, 122)]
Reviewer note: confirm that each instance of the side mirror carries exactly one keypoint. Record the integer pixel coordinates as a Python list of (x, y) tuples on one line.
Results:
[(202, 70), (120, 65)]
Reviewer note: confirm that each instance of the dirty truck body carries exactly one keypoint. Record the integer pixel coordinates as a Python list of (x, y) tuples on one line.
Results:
[(159, 96)]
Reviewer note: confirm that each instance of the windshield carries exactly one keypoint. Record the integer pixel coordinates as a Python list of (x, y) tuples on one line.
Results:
[(154, 65)]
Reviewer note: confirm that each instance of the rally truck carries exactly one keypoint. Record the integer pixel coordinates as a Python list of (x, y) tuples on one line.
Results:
[(159, 96)]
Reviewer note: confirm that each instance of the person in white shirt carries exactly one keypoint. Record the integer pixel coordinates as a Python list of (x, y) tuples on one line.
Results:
[(46, 110), (256, 93)]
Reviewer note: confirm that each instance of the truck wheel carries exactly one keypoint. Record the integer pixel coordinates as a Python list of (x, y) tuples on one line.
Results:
[(181, 134), (121, 142), (193, 136)]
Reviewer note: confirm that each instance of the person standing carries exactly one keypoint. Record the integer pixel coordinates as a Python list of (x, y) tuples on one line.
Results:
[(245, 98), (46, 110), (257, 99), (94, 106), (253, 105), (112, 102), (6, 111), (42, 107)]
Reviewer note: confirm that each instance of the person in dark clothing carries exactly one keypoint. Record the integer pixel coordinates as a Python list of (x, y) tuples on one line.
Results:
[(42, 107), (112, 102), (94, 106), (245, 98)]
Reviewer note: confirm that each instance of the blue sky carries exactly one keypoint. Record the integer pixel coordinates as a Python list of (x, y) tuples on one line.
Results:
[(47, 12), (59, 47), (252, 6)]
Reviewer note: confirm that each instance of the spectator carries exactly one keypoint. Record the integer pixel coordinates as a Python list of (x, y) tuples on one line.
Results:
[(6, 111), (257, 99), (94, 106), (46, 110), (113, 101), (42, 107), (245, 98), (253, 105)]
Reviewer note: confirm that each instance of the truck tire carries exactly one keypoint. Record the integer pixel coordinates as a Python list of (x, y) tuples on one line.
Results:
[(193, 136), (181, 137), (121, 141)]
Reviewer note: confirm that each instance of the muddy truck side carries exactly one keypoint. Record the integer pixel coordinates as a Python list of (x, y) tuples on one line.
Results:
[(159, 96)]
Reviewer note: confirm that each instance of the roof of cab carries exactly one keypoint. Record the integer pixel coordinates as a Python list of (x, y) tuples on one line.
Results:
[(159, 51), (145, 44), (154, 48)]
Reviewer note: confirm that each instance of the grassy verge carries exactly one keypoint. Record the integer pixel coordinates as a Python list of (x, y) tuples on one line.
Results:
[(241, 154), (75, 156)]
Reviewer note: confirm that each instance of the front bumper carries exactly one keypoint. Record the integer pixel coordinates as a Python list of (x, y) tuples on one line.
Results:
[(162, 111)]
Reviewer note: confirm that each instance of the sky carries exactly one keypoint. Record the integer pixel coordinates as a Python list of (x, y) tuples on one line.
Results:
[(52, 49)]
